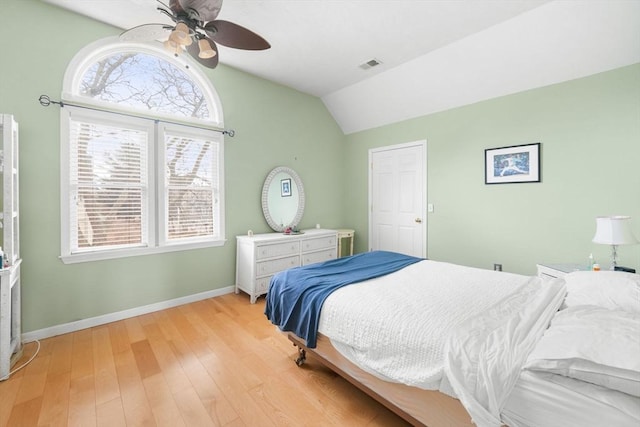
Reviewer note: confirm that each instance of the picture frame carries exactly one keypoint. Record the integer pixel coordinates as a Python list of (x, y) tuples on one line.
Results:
[(514, 164), (285, 187)]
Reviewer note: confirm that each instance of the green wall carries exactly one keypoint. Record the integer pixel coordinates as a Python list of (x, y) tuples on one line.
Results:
[(590, 134), (275, 126)]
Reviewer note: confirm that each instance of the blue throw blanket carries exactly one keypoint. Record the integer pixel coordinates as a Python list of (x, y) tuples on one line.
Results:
[(296, 295)]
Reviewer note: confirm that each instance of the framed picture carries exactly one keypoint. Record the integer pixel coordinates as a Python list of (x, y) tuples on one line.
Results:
[(507, 165), (285, 187)]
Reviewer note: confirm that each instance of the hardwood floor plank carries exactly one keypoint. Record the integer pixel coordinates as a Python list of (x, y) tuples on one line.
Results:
[(212, 398), (191, 408), (286, 406), (186, 329), (119, 337), (250, 413), (164, 407), (135, 331), (145, 359), (171, 369), (34, 379), (111, 414), (106, 377), (55, 400), (25, 413), (235, 380), (82, 401), (152, 330), (61, 355), (135, 404), (9, 388), (82, 357), (169, 331), (220, 407)]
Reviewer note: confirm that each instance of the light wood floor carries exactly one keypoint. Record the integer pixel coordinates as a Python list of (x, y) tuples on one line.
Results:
[(217, 362)]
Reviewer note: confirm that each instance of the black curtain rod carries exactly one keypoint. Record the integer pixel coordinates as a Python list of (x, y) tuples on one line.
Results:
[(45, 101)]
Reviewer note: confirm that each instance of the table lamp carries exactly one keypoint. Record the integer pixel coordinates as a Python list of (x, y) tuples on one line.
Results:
[(614, 231)]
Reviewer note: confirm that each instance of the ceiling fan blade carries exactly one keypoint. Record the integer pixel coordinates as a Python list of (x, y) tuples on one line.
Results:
[(146, 33), (233, 35), (176, 8), (194, 50), (201, 10)]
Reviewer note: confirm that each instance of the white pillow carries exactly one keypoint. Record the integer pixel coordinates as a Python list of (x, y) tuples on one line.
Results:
[(592, 344), (608, 289)]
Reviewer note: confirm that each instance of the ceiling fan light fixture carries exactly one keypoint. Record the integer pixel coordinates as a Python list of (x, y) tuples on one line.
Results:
[(172, 46), (181, 34), (206, 51), (196, 31)]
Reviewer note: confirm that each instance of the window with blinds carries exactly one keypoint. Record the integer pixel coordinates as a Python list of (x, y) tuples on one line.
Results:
[(142, 156), (191, 191), (108, 186)]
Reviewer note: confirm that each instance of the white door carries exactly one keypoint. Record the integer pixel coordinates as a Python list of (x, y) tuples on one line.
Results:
[(397, 198)]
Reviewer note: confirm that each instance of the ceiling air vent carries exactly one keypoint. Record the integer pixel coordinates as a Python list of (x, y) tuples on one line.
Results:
[(370, 64)]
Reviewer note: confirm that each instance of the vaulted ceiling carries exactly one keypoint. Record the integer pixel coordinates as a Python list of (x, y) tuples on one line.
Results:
[(434, 54)]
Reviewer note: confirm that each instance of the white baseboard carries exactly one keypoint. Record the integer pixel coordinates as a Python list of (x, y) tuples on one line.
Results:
[(120, 315)]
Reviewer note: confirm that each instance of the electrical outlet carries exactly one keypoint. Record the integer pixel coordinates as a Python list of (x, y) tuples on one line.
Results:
[(497, 267)]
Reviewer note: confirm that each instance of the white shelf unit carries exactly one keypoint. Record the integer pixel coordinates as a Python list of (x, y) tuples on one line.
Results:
[(10, 300)]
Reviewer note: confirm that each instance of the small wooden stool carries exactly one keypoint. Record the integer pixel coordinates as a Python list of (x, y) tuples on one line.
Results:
[(345, 234)]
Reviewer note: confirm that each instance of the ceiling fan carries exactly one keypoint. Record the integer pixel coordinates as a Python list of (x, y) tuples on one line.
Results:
[(197, 31)]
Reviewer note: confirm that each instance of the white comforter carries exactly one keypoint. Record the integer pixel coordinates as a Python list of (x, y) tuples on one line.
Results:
[(396, 326), (486, 354)]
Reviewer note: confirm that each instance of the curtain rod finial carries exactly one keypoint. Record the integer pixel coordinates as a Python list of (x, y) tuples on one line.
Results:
[(44, 100)]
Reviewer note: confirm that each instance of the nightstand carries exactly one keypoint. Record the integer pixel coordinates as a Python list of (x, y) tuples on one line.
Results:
[(344, 233), (559, 270)]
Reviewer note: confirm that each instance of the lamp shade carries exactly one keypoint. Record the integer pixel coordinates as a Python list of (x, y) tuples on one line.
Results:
[(206, 51), (614, 230), (181, 34), (172, 47)]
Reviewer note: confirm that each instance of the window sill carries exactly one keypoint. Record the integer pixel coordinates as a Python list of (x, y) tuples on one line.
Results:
[(124, 253)]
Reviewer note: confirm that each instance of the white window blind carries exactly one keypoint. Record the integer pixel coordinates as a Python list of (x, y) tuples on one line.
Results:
[(192, 184), (108, 186)]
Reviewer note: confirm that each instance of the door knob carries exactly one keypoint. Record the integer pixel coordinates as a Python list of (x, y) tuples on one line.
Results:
[(418, 220)]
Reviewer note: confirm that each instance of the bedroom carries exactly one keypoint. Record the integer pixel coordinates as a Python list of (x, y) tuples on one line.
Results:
[(588, 127)]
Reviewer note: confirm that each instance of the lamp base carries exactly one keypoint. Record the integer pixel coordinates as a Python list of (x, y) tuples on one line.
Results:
[(625, 269), (614, 257)]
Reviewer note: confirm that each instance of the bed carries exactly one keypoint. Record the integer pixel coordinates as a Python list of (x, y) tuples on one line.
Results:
[(442, 344)]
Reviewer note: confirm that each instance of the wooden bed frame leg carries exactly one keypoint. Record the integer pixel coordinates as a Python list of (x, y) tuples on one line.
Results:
[(302, 356)]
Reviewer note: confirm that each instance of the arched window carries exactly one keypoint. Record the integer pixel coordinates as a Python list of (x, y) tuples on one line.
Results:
[(142, 154)]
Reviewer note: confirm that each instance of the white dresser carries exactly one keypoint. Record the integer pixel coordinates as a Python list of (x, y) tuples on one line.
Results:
[(261, 256)]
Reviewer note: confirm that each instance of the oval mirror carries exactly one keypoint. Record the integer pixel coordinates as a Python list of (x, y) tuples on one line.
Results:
[(283, 198)]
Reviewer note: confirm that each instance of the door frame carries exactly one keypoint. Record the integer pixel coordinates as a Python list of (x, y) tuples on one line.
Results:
[(423, 143)]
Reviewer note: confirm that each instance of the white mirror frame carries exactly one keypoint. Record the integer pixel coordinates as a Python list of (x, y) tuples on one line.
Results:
[(265, 198)]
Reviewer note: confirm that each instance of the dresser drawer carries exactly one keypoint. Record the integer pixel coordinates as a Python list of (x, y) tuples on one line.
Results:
[(319, 243), (273, 266), (277, 249), (320, 256), (262, 285)]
